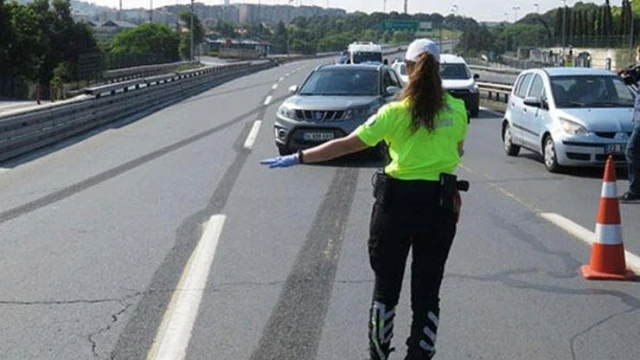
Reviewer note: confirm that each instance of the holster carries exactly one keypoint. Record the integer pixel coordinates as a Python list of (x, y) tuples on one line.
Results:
[(448, 191), (381, 187)]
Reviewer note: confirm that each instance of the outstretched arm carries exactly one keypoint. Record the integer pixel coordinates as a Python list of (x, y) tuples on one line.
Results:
[(327, 151), (334, 149)]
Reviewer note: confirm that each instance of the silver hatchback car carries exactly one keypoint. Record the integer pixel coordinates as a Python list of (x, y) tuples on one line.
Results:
[(570, 116), (332, 102)]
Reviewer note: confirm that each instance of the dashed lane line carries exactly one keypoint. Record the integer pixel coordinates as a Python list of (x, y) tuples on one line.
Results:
[(253, 135), (274, 87), (267, 101), (174, 334)]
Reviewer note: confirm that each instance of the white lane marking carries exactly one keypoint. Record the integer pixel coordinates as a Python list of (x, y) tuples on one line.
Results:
[(281, 79), (492, 112), (632, 260), (275, 86), (253, 135), (288, 74), (267, 101), (175, 331)]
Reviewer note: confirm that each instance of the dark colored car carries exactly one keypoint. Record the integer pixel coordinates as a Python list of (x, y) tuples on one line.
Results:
[(332, 102)]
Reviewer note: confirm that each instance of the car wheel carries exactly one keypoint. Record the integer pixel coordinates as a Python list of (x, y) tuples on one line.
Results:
[(284, 150), (550, 155), (507, 141)]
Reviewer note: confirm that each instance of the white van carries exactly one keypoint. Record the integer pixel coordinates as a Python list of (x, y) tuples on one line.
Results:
[(460, 82), (364, 52)]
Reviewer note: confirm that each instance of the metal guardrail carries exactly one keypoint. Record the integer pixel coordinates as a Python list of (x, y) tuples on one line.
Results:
[(497, 70), (30, 130), (496, 90), (125, 74)]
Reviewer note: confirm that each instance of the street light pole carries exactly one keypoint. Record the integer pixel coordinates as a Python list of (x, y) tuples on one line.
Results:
[(515, 11), (564, 26), (537, 6), (631, 35), (191, 34)]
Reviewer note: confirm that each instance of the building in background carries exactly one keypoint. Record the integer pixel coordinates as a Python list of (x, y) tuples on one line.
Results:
[(234, 13)]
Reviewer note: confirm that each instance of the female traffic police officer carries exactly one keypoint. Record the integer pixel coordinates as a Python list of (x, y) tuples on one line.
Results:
[(417, 202)]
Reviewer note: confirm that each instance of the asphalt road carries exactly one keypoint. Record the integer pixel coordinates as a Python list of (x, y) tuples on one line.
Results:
[(97, 231)]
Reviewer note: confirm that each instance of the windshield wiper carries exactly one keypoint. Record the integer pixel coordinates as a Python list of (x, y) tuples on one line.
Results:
[(571, 104), (611, 104)]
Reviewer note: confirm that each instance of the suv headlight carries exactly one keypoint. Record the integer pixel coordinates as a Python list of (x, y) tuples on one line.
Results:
[(286, 112), (573, 128), (361, 112)]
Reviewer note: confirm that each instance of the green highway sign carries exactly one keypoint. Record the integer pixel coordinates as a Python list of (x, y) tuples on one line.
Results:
[(400, 25)]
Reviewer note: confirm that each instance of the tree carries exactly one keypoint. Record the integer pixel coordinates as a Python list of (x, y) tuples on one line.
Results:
[(148, 39), (21, 56), (185, 38), (5, 35), (280, 39), (607, 20), (225, 29)]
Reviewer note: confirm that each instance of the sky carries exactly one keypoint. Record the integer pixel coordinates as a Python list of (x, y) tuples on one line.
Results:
[(481, 10)]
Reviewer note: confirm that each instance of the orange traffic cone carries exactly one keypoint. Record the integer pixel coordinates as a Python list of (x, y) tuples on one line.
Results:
[(607, 252)]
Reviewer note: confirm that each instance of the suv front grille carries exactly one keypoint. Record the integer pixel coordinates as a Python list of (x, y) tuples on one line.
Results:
[(608, 135), (320, 115)]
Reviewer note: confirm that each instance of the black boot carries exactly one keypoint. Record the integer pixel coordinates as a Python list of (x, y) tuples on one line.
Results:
[(421, 345), (380, 331)]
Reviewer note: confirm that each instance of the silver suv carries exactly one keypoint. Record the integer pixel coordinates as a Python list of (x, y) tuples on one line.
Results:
[(332, 102)]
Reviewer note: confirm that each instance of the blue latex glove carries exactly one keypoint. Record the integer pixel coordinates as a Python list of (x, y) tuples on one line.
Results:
[(282, 161)]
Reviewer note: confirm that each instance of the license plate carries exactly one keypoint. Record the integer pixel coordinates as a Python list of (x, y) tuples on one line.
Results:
[(317, 136), (615, 148)]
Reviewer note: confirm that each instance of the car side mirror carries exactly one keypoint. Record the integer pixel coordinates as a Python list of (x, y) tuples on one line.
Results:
[(392, 90), (533, 101), (293, 89), (476, 76)]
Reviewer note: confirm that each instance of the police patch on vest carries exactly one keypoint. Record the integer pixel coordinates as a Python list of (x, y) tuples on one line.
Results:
[(448, 122)]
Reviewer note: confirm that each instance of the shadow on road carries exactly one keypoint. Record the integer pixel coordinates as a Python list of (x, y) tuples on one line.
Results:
[(593, 172)]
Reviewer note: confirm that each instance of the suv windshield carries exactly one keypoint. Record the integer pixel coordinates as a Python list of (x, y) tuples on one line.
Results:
[(454, 72), (362, 56), (591, 91), (341, 82)]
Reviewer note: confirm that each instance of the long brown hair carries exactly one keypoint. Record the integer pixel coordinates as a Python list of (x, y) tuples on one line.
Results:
[(424, 92)]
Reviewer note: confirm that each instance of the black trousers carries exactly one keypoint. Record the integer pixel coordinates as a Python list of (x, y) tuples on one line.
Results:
[(409, 218)]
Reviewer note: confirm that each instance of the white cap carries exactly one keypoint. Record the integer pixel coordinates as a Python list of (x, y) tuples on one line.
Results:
[(420, 46)]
